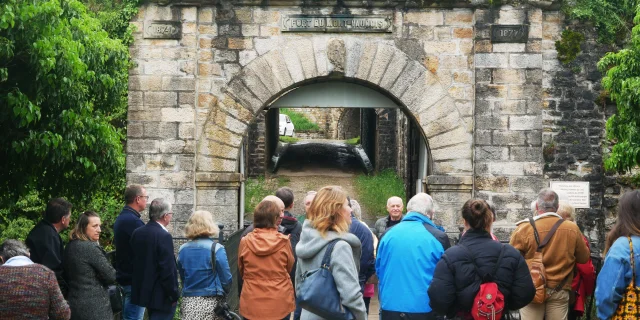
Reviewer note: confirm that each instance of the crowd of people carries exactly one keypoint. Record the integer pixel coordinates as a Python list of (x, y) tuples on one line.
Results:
[(545, 272)]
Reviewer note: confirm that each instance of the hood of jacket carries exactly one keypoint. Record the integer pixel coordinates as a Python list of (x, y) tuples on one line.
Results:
[(264, 242), (312, 242), (289, 222)]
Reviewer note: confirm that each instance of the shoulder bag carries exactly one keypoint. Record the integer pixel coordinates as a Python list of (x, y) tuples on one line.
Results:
[(536, 267), (317, 291), (629, 307)]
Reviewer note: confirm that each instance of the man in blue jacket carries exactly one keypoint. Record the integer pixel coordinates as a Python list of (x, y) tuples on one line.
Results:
[(135, 197), (406, 261), (155, 276)]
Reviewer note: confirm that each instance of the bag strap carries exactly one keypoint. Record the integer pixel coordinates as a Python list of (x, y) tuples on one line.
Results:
[(214, 248), (535, 231), (326, 260), (495, 268), (633, 263), (550, 234)]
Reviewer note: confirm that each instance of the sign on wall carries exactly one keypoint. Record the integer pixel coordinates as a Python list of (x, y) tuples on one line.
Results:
[(577, 192), (335, 23), (509, 33), (162, 29)]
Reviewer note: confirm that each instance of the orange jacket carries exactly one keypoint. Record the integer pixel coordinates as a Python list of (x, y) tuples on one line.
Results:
[(560, 255), (265, 260)]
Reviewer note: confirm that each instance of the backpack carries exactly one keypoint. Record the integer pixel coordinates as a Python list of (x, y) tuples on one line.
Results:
[(536, 267), (489, 301)]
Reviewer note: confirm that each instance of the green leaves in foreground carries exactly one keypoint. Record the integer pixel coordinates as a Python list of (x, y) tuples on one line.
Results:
[(374, 190), (63, 84), (622, 81)]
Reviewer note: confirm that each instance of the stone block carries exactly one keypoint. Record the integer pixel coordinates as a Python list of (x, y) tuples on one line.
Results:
[(509, 138), (135, 163), (205, 42), (186, 131), (250, 30), (205, 15), (534, 46), (162, 130), (208, 164), (494, 184), (209, 69), (458, 17), (551, 31), (145, 83), (457, 135), (190, 14), (145, 115), (491, 60), (243, 15), (412, 72), (240, 43), (142, 146), (225, 56), (155, 12), (429, 18), (455, 166), (144, 179), (421, 32), (525, 60), (534, 138), (269, 31), (186, 162), (396, 66), (506, 168), (135, 129), (234, 125), (135, 98), (245, 57), (304, 48), (176, 180), (218, 149), (382, 58), (292, 61), (266, 16), (527, 184), (443, 33), (461, 151), (528, 153), (454, 62), (184, 196), (509, 47), (320, 48), (484, 153), (483, 46), (178, 83), (508, 76), (157, 162), (366, 59), (518, 123), (230, 30), (532, 168), (161, 99), (511, 15), (463, 33), (177, 115), (493, 91), (492, 122), (483, 137), (172, 146), (439, 47)]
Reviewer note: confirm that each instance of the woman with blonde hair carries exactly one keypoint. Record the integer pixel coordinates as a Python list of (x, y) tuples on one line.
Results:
[(203, 267), (328, 219), (87, 271)]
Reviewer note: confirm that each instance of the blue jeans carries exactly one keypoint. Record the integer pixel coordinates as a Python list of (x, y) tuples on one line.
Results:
[(131, 311), (159, 315)]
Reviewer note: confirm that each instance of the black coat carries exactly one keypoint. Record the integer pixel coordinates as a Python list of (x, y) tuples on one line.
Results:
[(155, 276), (456, 281), (47, 249)]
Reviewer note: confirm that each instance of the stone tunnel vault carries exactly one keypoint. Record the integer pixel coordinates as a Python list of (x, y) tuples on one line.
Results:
[(379, 65)]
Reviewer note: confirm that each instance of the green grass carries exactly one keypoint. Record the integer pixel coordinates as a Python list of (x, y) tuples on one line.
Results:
[(300, 122), (374, 190), (255, 189), (287, 139), (353, 141)]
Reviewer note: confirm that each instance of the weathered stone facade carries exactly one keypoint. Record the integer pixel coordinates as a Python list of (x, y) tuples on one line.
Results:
[(481, 106)]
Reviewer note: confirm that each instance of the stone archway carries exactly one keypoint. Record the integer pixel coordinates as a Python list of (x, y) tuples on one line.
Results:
[(447, 130)]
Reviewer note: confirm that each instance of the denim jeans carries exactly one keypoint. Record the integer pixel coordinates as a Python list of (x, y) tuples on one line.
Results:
[(131, 311), (159, 315)]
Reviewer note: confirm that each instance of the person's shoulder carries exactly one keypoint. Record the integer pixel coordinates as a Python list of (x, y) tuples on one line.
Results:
[(620, 249), (381, 220)]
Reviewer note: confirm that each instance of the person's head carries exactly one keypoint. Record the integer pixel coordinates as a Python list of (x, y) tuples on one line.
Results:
[(477, 214), (286, 195), (12, 248), (58, 213), (266, 215), (547, 201), (566, 210), (201, 225), (394, 207), (355, 209), (135, 196), (628, 219), (330, 210), (87, 227), (160, 211), (280, 205), (308, 199), (421, 203)]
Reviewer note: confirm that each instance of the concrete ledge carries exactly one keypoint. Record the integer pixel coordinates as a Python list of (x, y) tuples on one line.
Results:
[(219, 180), (449, 183)]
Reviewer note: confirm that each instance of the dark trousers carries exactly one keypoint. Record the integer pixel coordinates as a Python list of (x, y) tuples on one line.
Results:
[(367, 300), (395, 315), (159, 315)]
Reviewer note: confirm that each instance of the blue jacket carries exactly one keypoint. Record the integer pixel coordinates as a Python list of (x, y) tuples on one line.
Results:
[(128, 220), (406, 261), (615, 275), (194, 266), (367, 262), (155, 276)]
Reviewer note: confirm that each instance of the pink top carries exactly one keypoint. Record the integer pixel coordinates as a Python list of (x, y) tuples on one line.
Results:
[(368, 290)]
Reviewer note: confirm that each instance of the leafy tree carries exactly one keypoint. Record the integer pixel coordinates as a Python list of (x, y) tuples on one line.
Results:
[(613, 19), (63, 86), (622, 81)]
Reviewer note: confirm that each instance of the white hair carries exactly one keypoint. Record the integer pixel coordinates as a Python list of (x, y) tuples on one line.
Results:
[(394, 198), (421, 203), (158, 208), (355, 207)]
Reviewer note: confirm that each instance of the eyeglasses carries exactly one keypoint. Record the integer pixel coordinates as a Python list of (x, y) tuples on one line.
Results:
[(146, 197)]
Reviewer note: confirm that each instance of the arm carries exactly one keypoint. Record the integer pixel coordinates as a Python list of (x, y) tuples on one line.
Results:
[(367, 261), (290, 259), (612, 281), (223, 270), (522, 289), (167, 267), (344, 271), (442, 291), (518, 242), (98, 261), (58, 307), (240, 258)]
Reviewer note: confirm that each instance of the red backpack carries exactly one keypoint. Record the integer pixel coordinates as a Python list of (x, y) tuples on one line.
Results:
[(489, 301)]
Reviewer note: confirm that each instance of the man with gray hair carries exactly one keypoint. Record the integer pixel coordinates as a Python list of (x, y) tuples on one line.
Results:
[(155, 276), (394, 208), (28, 290), (406, 261), (559, 256)]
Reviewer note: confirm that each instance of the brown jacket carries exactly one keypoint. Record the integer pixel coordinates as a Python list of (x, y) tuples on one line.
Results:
[(265, 260), (564, 250)]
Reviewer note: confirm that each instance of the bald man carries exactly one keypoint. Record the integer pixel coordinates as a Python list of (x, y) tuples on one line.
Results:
[(307, 203), (280, 204), (394, 208)]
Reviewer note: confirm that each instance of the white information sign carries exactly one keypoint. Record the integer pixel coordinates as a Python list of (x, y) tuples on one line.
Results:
[(577, 192)]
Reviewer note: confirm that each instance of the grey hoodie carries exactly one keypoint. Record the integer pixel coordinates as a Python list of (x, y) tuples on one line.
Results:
[(345, 260)]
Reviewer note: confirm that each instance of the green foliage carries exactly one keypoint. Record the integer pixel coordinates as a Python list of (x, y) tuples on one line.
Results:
[(353, 141), (114, 16), (255, 189), (287, 139), (612, 18), (300, 122), (376, 189), (568, 46), (622, 81), (63, 86)]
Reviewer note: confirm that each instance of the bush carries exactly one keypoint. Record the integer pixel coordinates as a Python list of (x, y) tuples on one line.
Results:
[(374, 190), (300, 122), (255, 189), (287, 139), (353, 141)]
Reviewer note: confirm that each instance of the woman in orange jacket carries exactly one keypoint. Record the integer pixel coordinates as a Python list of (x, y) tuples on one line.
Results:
[(265, 259)]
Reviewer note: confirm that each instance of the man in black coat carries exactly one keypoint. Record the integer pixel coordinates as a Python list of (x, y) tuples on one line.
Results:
[(293, 228), (44, 242), (155, 277)]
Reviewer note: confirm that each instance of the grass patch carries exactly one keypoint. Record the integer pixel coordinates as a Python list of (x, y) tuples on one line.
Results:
[(353, 141), (374, 190), (287, 139), (255, 189), (300, 122)]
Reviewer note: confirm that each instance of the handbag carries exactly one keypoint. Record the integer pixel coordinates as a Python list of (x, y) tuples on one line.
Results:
[(116, 297), (629, 307), (317, 291)]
